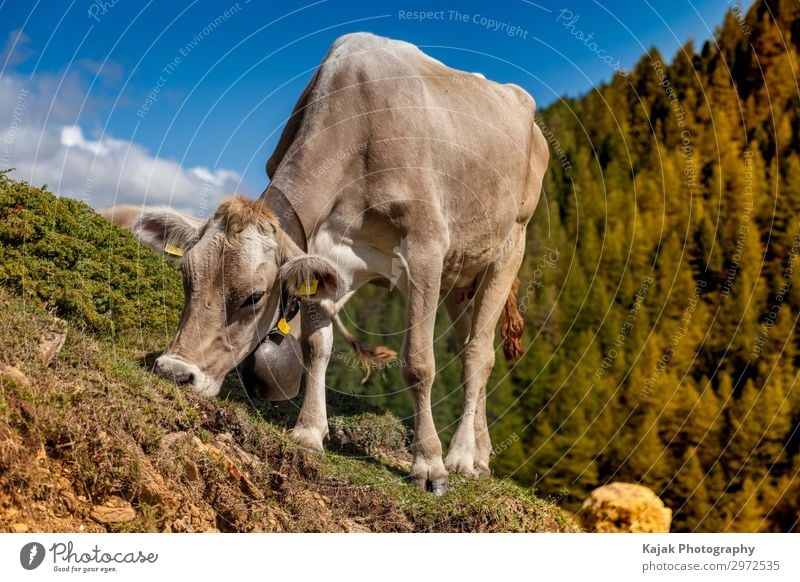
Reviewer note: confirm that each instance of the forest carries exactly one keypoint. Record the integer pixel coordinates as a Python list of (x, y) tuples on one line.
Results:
[(657, 291)]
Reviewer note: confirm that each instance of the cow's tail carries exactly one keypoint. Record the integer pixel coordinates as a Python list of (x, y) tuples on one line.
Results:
[(367, 355), (512, 325)]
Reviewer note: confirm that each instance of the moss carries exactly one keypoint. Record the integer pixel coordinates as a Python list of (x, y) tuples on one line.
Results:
[(368, 433)]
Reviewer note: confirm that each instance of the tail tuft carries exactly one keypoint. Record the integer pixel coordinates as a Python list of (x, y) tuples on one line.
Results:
[(367, 355), (512, 326)]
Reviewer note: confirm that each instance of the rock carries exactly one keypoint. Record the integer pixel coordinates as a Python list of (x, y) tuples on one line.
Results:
[(351, 526), (624, 507), (113, 510), (19, 527), (14, 374), (192, 470), (52, 340), (182, 525), (154, 490)]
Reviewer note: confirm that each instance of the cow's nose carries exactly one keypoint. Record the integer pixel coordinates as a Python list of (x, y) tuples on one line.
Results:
[(174, 369), (186, 373)]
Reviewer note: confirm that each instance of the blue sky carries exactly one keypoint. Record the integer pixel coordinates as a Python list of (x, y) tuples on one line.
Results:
[(91, 65)]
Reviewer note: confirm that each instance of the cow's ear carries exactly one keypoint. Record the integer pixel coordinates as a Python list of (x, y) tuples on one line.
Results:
[(167, 231), (311, 277)]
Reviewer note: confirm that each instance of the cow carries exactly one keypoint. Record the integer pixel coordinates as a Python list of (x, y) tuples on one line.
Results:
[(123, 215), (392, 169)]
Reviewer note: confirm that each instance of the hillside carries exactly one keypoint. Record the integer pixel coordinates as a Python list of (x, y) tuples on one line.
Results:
[(91, 441)]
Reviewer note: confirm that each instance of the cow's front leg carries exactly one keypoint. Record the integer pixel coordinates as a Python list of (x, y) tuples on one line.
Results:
[(317, 341), (419, 368)]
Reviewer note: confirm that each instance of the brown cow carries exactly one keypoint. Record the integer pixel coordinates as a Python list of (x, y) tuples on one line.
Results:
[(393, 167)]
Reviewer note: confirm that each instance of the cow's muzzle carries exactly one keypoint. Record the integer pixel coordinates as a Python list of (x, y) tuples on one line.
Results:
[(185, 373)]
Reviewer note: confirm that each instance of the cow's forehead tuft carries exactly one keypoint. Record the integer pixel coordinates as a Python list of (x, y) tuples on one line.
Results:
[(237, 213)]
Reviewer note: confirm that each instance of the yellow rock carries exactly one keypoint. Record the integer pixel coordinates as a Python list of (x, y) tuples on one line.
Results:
[(624, 507)]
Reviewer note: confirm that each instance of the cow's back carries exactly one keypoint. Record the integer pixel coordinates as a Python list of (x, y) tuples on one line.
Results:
[(383, 127)]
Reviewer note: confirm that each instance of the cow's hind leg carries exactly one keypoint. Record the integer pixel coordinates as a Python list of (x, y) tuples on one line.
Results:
[(422, 295), (470, 449)]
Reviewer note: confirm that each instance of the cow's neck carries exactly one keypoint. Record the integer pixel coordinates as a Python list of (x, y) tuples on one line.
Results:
[(290, 223), (322, 241)]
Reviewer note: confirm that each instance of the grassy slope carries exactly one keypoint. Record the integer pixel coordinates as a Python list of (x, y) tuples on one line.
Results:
[(95, 424)]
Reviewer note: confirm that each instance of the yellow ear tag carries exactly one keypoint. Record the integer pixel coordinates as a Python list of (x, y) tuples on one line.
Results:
[(283, 325), (311, 289), (173, 250)]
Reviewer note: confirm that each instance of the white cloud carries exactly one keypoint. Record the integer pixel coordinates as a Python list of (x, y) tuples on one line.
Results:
[(72, 136), (41, 138)]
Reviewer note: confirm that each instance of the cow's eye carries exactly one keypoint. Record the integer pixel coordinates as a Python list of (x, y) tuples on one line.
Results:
[(253, 299)]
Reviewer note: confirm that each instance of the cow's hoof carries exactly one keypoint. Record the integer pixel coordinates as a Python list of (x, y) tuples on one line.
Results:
[(307, 438), (463, 463), (430, 476), (482, 470), (437, 486)]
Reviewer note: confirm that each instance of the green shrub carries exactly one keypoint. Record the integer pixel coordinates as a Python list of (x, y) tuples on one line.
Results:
[(60, 252)]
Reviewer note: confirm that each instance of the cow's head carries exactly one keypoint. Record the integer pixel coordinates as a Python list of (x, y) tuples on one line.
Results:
[(234, 266)]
